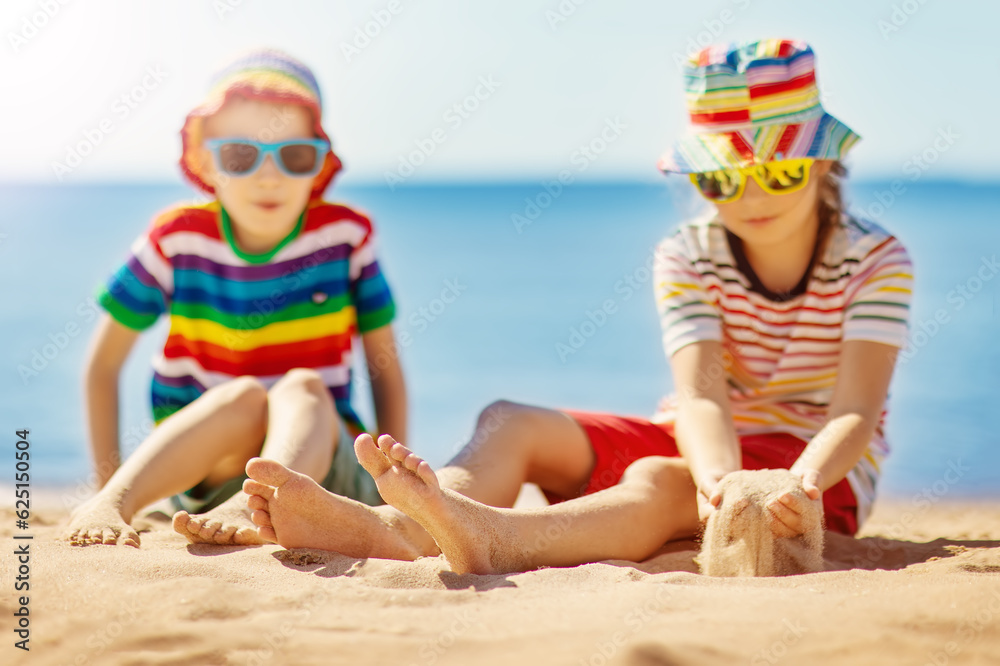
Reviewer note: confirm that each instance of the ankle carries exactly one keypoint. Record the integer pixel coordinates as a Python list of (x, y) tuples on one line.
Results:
[(423, 543), (412, 540), (118, 499)]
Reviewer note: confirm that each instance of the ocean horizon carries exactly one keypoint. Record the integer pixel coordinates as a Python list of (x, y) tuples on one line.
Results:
[(500, 291)]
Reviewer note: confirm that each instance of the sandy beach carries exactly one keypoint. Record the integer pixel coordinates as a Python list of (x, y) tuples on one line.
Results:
[(920, 586)]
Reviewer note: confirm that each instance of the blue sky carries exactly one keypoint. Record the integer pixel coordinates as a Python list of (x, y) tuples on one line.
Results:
[(544, 76)]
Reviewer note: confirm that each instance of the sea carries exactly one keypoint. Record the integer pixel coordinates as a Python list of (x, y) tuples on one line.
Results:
[(532, 292)]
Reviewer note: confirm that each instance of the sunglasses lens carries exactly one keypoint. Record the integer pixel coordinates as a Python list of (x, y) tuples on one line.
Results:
[(299, 158), (784, 175), (237, 158), (718, 185)]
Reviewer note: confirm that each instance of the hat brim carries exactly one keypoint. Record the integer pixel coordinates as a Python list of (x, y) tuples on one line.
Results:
[(822, 138), (192, 135)]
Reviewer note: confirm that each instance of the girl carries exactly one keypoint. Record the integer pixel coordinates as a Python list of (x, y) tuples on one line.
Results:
[(782, 315)]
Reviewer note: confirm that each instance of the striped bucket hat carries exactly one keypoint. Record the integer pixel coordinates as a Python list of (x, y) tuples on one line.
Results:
[(264, 74), (754, 102)]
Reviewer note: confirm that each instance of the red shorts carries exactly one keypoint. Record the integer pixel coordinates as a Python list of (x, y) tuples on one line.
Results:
[(618, 441)]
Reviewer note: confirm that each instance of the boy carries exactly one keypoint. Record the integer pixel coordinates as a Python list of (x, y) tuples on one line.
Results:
[(265, 287)]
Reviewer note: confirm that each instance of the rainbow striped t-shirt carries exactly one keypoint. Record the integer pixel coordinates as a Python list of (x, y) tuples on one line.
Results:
[(234, 314), (781, 349)]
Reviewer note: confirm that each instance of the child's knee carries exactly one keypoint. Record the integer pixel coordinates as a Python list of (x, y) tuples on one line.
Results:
[(497, 413), (302, 379), (506, 415), (657, 471), (245, 393)]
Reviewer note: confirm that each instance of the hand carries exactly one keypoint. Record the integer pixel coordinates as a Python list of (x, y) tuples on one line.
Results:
[(708, 493), (786, 511), (810, 482)]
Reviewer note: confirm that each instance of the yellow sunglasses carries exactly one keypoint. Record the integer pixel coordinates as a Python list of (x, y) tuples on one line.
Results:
[(779, 177)]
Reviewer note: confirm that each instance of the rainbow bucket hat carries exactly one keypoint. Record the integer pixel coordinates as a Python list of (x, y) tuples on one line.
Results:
[(754, 102), (264, 74)]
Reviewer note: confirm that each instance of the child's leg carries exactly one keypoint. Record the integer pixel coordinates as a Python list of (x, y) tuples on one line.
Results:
[(512, 444), (302, 433), (226, 421), (516, 444), (653, 503)]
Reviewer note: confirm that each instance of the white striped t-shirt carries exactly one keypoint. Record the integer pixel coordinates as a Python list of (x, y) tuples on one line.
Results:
[(781, 350)]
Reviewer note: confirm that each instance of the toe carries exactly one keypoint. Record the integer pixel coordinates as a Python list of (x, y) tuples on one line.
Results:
[(268, 472), (225, 535), (194, 525), (209, 529), (251, 487), (109, 536), (370, 456), (267, 534), (261, 518), (427, 475), (398, 453), (180, 521), (386, 442), (412, 461), (246, 536), (256, 502)]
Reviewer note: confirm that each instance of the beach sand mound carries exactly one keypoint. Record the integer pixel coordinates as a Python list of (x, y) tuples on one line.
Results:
[(920, 587), (738, 540)]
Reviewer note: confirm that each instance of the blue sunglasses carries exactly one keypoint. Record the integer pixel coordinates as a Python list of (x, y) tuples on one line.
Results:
[(300, 158)]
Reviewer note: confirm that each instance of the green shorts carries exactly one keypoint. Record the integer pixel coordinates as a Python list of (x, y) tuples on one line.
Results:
[(346, 477)]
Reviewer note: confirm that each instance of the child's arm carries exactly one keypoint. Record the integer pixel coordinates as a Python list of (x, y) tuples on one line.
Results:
[(388, 386), (704, 427), (863, 377), (109, 347)]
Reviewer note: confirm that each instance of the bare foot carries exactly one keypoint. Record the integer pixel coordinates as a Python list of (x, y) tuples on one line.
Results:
[(474, 537), (228, 524), (99, 520), (296, 512)]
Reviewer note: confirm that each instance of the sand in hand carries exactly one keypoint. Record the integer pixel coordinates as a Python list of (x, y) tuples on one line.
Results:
[(738, 540)]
